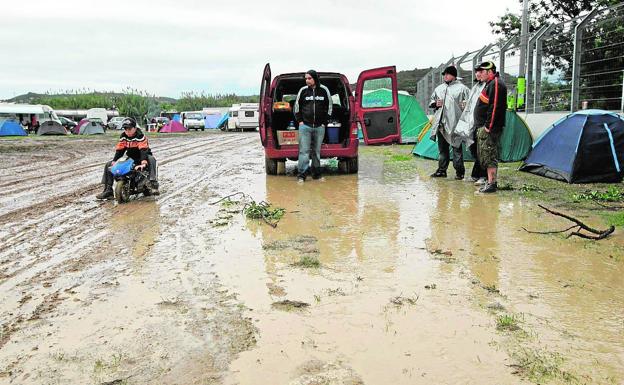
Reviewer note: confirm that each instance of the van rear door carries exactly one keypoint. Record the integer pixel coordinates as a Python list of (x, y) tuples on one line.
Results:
[(377, 105), (264, 109)]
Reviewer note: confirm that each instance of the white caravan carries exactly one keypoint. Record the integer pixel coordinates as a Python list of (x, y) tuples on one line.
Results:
[(248, 117), (25, 112)]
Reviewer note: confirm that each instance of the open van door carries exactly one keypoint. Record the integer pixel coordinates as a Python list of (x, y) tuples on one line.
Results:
[(377, 105), (264, 108)]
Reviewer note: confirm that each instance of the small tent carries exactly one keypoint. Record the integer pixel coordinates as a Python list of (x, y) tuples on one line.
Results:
[(212, 120), (51, 127), (91, 128), (583, 147), (412, 117), (223, 121), (81, 123), (11, 128), (515, 143), (173, 126)]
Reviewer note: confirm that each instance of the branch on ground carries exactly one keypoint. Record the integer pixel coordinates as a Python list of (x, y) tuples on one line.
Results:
[(579, 227)]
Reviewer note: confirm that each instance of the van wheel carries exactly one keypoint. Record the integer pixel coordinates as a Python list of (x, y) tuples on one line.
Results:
[(270, 165), (348, 166)]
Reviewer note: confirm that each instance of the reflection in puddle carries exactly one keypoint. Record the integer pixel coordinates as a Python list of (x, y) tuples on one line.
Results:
[(367, 314), (136, 225)]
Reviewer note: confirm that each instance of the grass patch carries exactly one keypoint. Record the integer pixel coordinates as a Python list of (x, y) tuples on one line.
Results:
[(507, 323), (400, 158), (612, 194), (229, 203), (264, 211), (541, 367), (614, 219), (308, 262)]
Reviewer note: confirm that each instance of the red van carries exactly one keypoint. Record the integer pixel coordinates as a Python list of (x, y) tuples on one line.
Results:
[(378, 119)]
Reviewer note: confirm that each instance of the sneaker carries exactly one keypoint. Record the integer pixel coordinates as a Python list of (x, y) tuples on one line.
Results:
[(480, 182), (316, 176), (106, 194), (488, 188), (438, 174), (459, 177), (300, 180)]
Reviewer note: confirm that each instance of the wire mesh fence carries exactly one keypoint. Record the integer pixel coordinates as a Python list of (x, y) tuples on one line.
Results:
[(574, 65)]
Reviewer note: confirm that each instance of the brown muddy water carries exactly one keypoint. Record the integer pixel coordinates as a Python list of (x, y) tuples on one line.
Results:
[(385, 277)]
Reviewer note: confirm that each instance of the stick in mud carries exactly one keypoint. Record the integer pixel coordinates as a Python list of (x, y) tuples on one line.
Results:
[(600, 234)]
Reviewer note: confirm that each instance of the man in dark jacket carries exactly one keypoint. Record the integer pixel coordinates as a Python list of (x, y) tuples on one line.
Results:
[(133, 143), (313, 108), (489, 117)]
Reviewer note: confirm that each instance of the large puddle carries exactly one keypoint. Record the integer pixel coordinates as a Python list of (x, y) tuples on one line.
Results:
[(410, 269)]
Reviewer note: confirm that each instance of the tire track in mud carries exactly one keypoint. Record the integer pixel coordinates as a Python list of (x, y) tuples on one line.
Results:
[(77, 193), (61, 261), (72, 211), (94, 165)]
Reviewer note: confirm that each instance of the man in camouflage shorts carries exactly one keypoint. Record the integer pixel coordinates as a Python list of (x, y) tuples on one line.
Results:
[(489, 118)]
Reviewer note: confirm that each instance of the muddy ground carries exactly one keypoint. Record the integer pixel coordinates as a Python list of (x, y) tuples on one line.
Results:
[(385, 277)]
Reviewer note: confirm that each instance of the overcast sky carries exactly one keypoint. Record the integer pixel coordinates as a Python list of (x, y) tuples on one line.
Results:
[(166, 47)]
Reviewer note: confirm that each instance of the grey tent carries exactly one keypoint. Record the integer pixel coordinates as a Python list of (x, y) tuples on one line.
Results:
[(51, 127), (92, 128)]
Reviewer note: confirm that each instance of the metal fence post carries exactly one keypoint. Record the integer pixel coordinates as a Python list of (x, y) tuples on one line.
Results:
[(503, 51), (529, 68), (622, 102), (579, 29), (537, 101), (461, 60)]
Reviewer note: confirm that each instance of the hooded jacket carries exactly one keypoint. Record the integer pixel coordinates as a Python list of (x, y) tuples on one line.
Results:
[(451, 94), (491, 109), (313, 106), (135, 147)]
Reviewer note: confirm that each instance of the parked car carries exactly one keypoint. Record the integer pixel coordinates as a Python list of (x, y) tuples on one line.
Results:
[(115, 123), (67, 123), (193, 119), (279, 135)]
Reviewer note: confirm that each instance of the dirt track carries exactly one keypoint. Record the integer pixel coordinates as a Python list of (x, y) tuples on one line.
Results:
[(174, 290)]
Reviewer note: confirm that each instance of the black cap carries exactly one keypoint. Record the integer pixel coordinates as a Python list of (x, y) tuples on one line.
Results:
[(128, 122), (486, 65), (451, 70)]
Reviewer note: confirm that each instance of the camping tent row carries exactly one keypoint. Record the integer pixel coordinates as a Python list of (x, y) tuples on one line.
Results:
[(412, 117), (583, 147), (515, 142)]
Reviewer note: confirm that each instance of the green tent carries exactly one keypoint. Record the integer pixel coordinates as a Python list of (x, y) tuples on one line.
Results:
[(413, 118), (515, 143)]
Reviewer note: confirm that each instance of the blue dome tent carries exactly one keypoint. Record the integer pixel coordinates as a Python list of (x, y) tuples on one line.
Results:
[(11, 128), (583, 147)]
